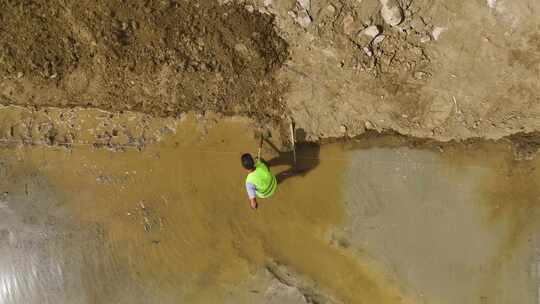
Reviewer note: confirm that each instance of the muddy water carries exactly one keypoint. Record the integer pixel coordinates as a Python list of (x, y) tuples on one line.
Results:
[(171, 223)]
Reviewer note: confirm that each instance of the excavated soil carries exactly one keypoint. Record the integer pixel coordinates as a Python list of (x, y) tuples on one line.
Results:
[(337, 68), (156, 57), (449, 70)]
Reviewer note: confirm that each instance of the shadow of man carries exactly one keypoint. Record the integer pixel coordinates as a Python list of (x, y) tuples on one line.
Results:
[(307, 158)]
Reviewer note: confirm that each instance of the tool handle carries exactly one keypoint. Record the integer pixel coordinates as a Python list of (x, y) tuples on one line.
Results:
[(293, 143), (260, 148)]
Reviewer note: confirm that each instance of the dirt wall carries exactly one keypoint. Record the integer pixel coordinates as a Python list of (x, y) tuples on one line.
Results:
[(466, 69)]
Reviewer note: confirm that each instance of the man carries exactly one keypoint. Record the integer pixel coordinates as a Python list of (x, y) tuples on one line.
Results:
[(260, 182)]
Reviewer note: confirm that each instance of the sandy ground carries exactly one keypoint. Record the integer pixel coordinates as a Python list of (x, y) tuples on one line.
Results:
[(357, 225), (450, 70)]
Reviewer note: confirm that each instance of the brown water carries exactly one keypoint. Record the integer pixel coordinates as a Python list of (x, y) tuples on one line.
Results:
[(172, 224)]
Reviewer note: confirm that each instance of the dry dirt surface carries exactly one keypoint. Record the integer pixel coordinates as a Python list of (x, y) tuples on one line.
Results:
[(430, 69), (444, 70)]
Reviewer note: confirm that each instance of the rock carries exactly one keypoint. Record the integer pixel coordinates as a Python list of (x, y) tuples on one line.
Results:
[(377, 40), (371, 31), (348, 24), (492, 3), (267, 2), (280, 293), (418, 25), (420, 75), (363, 40), (250, 8), (416, 51), (343, 129), (408, 14), (305, 4), (368, 51), (391, 12), (425, 39), (331, 8), (303, 19), (368, 125), (20, 74), (302, 16), (240, 47), (366, 35), (437, 31)]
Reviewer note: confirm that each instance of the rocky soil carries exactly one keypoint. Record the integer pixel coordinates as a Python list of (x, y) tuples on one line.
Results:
[(337, 68), (425, 68)]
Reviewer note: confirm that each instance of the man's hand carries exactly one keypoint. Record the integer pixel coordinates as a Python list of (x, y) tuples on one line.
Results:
[(253, 203)]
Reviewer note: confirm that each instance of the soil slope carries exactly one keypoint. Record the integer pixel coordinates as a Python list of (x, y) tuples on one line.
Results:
[(440, 70)]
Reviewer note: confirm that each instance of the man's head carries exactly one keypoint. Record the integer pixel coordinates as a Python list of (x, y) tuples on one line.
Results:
[(247, 162)]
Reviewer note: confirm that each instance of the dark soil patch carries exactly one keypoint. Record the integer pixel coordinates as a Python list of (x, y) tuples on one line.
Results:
[(158, 57)]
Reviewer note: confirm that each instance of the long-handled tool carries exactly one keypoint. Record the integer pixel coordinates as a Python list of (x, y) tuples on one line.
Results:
[(292, 143), (260, 147), (264, 134)]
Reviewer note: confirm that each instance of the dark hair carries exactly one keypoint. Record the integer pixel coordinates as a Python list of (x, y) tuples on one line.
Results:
[(247, 161)]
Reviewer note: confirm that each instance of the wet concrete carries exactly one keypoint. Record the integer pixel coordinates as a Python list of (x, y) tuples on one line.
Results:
[(171, 224)]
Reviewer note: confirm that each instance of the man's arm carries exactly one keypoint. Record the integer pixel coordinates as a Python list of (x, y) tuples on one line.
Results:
[(251, 191), (253, 203)]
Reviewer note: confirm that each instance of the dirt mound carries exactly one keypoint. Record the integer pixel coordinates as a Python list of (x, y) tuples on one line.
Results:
[(158, 57)]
